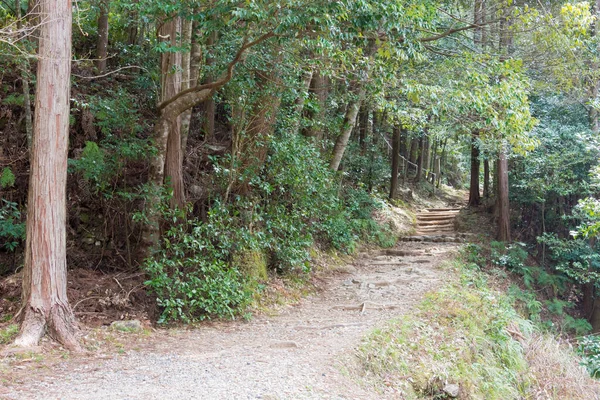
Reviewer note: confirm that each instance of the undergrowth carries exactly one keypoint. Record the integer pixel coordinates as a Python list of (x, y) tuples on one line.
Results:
[(214, 267), (471, 335)]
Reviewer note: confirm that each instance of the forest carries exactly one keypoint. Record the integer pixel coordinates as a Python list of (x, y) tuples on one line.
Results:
[(204, 149)]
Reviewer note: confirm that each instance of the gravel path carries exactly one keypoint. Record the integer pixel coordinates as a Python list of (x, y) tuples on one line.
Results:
[(298, 354)]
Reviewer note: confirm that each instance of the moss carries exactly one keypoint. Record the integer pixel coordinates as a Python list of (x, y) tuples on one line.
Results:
[(252, 263)]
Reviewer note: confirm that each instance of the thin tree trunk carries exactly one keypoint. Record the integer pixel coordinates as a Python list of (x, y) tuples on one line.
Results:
[(433, 159), (441, 161), (474, 195), (395, 162), (426, 150), (486, 178), (102, 40), (503, 206), (319, 88), (191, 69), (209, 105), (348, 126), (25, 81), (364, 122), (420, 159), (45, 302), (303, 95)]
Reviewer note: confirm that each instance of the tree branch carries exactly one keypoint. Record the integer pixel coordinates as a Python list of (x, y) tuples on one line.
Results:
[(225, 77)]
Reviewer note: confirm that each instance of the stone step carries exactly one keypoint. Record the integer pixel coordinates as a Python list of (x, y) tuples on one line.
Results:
[(428, 217), (433, 238), (435, 223)]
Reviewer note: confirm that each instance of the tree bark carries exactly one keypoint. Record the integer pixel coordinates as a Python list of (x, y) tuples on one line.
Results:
[(102, 40), (420, 158), (45, 302), (209, 104), (426, 150), (319, 89), (474, 196), (486, 178), (395, 162), (25, 80), (303, 95), (364, 123), (191, 71), (349, 123), (171, 77), (503, 205)]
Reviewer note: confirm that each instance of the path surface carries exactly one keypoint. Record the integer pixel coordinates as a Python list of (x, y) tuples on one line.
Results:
[(297, 354)]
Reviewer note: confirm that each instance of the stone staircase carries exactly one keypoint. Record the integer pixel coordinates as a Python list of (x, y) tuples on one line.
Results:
[(436, 225)]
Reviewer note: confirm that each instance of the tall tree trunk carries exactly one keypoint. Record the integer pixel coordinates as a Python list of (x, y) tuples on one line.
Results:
[(348, 126), (426, 150), (319, 89), (191, 69), (209, 105), (441, 162), (303, 95), (102, 40), (171, 66), (133, 34), (395, 161), (45, 302), (503, 206), (474, 196), (433, 160), (420, 159), (25, 80), (486, 178), (414, 150), (364, 125)]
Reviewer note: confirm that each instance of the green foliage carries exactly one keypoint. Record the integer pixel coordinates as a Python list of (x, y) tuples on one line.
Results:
[(589, 349), (577, 259), (12, 230), (511, 256), (191, 277), (103, 162), (8, 333), (7, 178), (92, 165)]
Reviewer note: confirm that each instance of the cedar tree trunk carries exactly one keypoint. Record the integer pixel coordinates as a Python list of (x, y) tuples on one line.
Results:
[(45, 303)]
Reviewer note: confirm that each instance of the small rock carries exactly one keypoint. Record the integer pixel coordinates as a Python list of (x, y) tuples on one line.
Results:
[(451, 389), (348, 282), (371, 286), (133, 325), (284, 345), (88, 240)]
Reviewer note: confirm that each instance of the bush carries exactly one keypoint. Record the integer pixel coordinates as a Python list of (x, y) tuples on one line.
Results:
[(589, 350), (12, 230), (192, 278)]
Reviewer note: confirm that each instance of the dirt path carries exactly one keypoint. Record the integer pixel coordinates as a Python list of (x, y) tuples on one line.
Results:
[(297, 354)]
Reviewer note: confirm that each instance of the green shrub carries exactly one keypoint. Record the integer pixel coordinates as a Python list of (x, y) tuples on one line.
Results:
[(589, 350), (7, 178), (12, 230), (192, 278)]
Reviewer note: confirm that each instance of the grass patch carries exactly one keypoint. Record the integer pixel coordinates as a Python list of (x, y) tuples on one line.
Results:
[(8, 333), (470, 336)]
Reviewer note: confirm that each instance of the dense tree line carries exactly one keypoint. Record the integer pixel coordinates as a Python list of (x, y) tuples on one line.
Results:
[(209, 141)]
